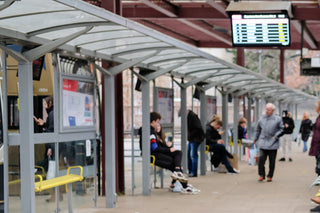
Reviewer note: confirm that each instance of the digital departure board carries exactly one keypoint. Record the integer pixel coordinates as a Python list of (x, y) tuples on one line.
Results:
[(256, 30)]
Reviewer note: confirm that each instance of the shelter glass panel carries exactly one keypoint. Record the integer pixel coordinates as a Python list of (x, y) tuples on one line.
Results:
[(14, 179)]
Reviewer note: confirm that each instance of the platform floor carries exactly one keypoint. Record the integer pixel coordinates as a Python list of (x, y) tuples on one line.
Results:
[(223, 193)]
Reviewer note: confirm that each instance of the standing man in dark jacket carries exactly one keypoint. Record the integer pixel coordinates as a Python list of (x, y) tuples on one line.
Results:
[(286, 139), (195, 138)]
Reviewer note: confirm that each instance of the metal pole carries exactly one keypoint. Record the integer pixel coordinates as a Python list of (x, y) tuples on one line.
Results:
[(257, 111), (184, 126), (249, 125), (260, 54), (133, 186), (280, 108), (110, 140), (225, 117), (155, 97), (235, 123), (203, 118), (145, 137), (26, 132), (5, 131)]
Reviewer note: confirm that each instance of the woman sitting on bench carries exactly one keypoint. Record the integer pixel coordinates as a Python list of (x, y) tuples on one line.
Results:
[(215, 143), (167, 157)]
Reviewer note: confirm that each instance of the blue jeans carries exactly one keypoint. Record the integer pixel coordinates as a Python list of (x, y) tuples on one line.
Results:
[(305, 148), (193, 158)]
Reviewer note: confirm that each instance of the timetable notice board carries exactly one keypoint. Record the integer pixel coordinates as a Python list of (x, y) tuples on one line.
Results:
[(260, 30)]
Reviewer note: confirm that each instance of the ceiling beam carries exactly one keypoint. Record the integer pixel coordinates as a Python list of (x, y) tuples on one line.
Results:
[(307, 37), (170, 9), (209, 33), (218, 7)]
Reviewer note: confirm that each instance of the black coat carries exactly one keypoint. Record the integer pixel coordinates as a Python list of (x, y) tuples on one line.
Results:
[(290, 122), (305, 129), (212, 135), (195, 131), (49, 125)]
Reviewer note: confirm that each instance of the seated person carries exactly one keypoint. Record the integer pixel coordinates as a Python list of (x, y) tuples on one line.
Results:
[(167, 157), (215, 143), (242, 131)]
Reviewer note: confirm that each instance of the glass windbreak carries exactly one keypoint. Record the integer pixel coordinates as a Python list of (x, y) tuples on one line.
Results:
[(43, 94), (14, 179), (78, 153), (45, 168)]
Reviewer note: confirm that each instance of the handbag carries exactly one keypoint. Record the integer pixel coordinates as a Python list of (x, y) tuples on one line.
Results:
[(253, 155), (51, 169)]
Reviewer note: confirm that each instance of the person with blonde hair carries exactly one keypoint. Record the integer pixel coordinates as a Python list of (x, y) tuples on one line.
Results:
[(215, 143), (305, 130)]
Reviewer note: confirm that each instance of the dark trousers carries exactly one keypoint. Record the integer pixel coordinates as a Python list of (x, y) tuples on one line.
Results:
[(262, 160), (169, 160), (220, 156)]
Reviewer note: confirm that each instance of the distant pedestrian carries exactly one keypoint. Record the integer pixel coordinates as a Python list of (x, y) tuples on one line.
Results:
[(268, 130), (305, 130), (195, 137), (286, 139)]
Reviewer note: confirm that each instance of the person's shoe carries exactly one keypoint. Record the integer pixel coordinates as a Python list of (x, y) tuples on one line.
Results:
[(269, 179), (233, 172), (171, 187), (282, 159), (316, 200), (315, 209), (190, 190), (179, 176), (290, 159), (192, 175), (261, 178)]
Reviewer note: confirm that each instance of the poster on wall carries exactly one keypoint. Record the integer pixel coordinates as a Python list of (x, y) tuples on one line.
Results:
[(211, 106), (165, 105), (77, 102)]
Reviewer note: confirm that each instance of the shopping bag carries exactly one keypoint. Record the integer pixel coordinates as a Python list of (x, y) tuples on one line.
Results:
[(234, 161), (51, 169), (253, 155)]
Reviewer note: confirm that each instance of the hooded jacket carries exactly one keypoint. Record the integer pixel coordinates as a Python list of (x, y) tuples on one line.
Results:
[(268, 131), (195, 130)]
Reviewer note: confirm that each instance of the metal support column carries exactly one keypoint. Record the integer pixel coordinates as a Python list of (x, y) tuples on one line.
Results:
[(133, 185), (249, 124), (184, 126), (257, 111), (203, 118), (225, 117), (5, 131), (110, 140), (26, 132), (235, 123), (145, 85), (280, 108)]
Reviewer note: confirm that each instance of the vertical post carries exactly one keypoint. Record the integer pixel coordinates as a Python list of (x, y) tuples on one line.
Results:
[(155, 97), (257, 111), (225, 117), (110, 140), (203, 118), (240, 56), (249, 125), (235, 123), (26, 133), (145, 137), (184, 126), (282, 65), (280, 108), (133, 185), (5, 131)]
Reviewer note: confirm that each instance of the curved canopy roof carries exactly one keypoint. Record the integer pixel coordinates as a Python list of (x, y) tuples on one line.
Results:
[(92, 32)]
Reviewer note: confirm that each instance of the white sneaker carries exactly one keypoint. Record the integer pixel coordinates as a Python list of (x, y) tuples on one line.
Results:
[(190, 190), (179, 176)]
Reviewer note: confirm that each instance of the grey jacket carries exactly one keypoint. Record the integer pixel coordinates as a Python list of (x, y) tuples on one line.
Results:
[(268, 131)]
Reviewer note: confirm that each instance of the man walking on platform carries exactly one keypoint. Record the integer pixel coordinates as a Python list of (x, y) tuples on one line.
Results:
[(267, 133)]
